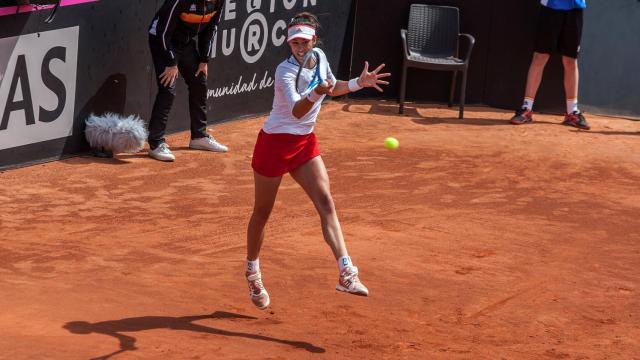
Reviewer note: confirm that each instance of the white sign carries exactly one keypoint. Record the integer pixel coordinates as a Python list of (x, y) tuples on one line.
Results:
[(37, 86)]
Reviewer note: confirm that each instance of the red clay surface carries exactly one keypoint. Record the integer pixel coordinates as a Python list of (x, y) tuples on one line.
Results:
[(477, 239)]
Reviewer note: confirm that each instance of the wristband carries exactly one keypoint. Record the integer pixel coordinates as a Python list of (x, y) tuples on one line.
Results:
[(353, 85), (313, 96)]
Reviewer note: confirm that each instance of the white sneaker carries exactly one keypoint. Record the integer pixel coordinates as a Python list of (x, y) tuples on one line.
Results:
[(257, 292), (207, 143), (349, 282), (162, 153)]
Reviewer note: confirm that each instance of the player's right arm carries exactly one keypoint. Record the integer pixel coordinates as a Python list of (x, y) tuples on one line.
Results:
[(286, 85)]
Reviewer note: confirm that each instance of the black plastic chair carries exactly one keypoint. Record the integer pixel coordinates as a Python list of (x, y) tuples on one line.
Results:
[(432, 43)]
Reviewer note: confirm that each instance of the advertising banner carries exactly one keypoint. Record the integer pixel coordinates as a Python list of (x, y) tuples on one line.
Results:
[(37, 86), (94, 57)]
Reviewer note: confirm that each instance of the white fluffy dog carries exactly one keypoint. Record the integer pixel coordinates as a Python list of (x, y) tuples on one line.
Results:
[(115, 133)]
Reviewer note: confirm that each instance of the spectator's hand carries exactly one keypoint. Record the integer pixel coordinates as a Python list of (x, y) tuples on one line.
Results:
[(169, 75), (203, 68), (372, 79)]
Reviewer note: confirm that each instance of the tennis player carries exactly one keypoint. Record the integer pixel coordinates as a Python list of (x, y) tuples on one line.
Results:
[(287, 144)]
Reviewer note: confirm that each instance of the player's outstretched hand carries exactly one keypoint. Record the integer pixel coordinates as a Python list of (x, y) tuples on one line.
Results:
[(372, 79)]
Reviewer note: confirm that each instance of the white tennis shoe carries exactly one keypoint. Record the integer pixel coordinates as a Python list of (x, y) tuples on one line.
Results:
[(162, 153), (257, 292), (207, 143), (350, 282)]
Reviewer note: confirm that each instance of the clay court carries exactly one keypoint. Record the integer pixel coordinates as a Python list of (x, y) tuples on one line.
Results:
[(478, 240)]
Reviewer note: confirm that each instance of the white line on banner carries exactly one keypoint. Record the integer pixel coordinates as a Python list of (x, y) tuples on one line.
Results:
[(241, 86)]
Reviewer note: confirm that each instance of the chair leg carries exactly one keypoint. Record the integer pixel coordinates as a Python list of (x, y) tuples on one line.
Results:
[(463, 90), (453, 88), (403, 85)]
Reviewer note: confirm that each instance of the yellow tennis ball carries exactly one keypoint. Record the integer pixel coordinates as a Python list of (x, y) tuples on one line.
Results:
[(391, 143)]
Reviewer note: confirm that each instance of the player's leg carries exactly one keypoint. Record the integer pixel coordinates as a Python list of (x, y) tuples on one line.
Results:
[(161, 107), (524, 114), (570, 49), (534, 77), (266, 189), (313, 178), (197, 85), (571, 79), (546, 43)]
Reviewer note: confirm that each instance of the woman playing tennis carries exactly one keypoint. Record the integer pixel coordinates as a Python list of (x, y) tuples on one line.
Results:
[(287, 144)]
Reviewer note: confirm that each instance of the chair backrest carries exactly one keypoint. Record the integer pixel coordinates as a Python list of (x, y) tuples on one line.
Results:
[(433, 30)]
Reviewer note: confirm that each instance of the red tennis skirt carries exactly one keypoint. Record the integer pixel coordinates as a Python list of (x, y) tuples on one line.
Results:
[(277, 154)]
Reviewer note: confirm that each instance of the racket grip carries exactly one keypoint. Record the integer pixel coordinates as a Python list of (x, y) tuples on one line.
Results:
[(313, 96)]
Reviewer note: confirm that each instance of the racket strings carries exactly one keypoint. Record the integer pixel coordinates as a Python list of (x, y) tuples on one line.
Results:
[(310, 61)]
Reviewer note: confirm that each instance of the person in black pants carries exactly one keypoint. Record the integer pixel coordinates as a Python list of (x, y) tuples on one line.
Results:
[(175, 51), (559, 31)]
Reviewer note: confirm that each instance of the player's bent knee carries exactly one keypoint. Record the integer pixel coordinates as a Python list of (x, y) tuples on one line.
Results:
[(325, 204), (261, 214)]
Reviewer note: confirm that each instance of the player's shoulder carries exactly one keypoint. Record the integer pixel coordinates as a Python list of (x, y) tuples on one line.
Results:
[(320, 51), (286, 68), (287, 65)]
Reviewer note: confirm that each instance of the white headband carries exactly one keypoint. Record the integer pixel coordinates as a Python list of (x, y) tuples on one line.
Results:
[(301, 31)]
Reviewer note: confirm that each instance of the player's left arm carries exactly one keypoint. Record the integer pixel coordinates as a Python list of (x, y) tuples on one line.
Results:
[(366, 79)]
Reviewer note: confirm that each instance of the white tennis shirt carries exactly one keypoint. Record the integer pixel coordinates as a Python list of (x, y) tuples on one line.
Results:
[(280, 119)]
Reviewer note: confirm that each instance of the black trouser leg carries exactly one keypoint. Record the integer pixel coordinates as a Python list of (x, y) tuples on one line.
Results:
[(164, 99), (197, 85)]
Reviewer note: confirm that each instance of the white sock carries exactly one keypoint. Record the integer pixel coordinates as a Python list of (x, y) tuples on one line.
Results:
[(572, 105), (253, 266), (528, 104), (344, 262)]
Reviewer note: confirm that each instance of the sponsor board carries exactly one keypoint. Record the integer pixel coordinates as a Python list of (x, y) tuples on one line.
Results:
[(37, 86)]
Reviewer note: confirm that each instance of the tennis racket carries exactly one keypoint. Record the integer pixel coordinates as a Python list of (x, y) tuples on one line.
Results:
[(302, 87)]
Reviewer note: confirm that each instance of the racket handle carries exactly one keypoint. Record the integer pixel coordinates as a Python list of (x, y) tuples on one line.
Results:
[(313, 96)]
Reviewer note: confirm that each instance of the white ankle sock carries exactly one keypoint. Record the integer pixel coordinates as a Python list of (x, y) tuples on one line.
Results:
[(253, 266), (572, 105), (344, 262), (528, 104)]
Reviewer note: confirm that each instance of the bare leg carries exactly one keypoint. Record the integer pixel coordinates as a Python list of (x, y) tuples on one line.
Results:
[(313, 178), (266, 189), (534, 77), (571, 77)]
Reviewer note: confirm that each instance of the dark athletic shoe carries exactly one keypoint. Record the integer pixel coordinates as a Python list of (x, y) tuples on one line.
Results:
[(576, 119), (522, 116)]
